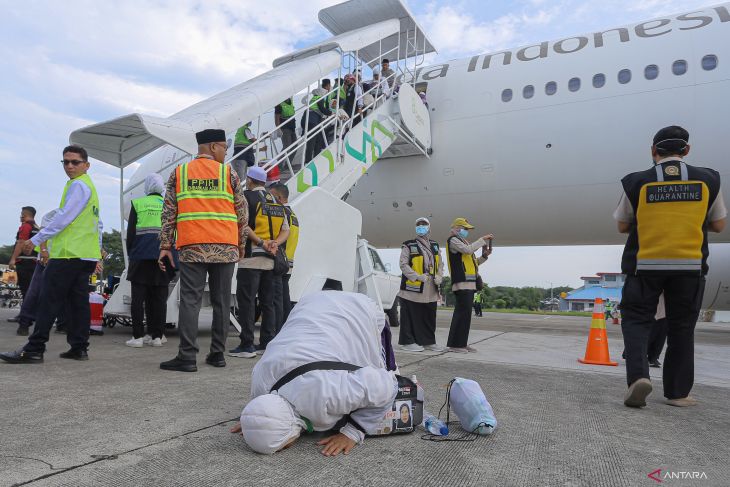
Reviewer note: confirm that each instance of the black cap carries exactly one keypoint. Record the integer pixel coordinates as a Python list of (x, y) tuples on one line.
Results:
[(672, 139), (208, 136)]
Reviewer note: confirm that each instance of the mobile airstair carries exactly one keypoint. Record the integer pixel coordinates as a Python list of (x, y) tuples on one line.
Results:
[(330, 247)]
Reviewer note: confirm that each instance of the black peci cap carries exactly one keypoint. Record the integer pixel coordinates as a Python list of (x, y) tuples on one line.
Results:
[(672, 139), (208, 136)]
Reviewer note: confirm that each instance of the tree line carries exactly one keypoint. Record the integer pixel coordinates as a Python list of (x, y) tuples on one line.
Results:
[(506, 297)]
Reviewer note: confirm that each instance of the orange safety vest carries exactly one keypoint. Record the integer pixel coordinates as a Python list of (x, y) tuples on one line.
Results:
[(205, 209)]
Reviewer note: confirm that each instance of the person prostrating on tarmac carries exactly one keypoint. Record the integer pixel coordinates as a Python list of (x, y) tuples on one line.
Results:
[(667, 211)]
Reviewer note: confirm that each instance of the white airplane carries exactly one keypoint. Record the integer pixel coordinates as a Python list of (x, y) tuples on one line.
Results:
[(530, 143)]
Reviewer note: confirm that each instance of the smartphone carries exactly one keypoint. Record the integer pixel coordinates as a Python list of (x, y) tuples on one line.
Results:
[(169, 269)]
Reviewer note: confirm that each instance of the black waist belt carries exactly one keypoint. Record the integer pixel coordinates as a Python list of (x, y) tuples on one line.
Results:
[(303, 369)]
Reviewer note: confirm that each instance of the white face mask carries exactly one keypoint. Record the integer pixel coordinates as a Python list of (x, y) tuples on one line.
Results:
[(422, 230)]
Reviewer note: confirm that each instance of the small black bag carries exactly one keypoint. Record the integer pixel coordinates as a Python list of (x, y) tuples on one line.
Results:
[(281, 262)]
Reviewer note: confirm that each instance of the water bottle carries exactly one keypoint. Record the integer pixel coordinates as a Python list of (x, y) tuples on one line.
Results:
[(434, 425), (419, 389)]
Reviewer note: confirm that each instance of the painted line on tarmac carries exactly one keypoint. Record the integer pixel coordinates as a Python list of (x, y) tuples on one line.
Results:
[(101, 458), (416, 362)]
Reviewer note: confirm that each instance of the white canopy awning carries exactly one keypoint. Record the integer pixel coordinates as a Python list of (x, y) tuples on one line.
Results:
[(349, 41), (355, 14), (123, 140)]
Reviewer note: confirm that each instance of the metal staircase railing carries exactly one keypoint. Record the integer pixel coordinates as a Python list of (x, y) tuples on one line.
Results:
[(286, 159)]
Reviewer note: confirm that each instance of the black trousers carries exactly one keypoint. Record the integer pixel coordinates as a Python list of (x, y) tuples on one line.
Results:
[(286, 296), (417, 323), (249, 282), (461, 320), (65, 283), (657, 339), (683, 298), (152, 302), (278, 302), (478, 309), (25, 269)]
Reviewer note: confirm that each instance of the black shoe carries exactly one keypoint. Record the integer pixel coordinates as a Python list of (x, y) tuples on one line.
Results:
[(61, 331), (75, 355), (215, 359), (14, 319), (22, 357), (179, 365), (22, 331), (260, 349), (655, 363), (96, 332)]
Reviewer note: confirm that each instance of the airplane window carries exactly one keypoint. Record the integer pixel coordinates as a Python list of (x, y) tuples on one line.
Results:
[(551, 88), (528, 91), (709, 62), (651, 71), (574, 84), (624, 76), (599, 80), (507, 95), (679, 67)]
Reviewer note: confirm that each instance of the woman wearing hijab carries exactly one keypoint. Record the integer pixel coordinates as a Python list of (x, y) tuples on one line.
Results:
[(464, 270), (149, 283), (420, 262)]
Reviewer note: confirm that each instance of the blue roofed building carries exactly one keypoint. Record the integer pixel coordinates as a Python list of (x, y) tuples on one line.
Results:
[(605, 285)]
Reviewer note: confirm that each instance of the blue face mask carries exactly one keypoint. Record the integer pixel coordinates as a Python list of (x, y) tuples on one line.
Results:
[(463, 232), (422, 230)]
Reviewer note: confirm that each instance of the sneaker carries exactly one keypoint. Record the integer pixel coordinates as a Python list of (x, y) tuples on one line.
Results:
[(655, 363), (260, 349), (164, 339), (135, 342), (156, 342), (458, 350), (412, 347), (435, 348), (179, 365), (636, 395), (147, 339), (14, 319), (682, 402), (471, 349), (243, 352)]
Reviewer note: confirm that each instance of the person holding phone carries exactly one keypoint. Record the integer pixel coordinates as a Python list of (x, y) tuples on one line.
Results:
[(149, 282), (464, 270)]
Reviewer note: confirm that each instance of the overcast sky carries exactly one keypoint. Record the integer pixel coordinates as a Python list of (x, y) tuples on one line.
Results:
[(73, 63)]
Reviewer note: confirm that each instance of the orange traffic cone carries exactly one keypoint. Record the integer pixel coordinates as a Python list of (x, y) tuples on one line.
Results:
[(597, 347)]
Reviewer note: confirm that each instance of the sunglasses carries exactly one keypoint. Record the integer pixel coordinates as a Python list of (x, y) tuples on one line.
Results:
[(75, 162)]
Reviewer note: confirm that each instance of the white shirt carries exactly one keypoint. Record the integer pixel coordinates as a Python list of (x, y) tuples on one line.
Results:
[(331, 326), (383, 88), (77, 196), (625, 212), (358, 95)]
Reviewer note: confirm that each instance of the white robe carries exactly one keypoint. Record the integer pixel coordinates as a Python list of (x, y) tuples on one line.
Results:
[(331, 326)]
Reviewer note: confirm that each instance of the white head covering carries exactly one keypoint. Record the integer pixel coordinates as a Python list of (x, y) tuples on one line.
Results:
[(269, 422), (154, 183), (423, 219)]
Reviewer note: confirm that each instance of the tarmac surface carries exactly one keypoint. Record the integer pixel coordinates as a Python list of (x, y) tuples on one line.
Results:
[(119, 420)]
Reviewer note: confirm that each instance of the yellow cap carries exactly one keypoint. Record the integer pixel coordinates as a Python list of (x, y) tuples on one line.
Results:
[(462, 222)]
